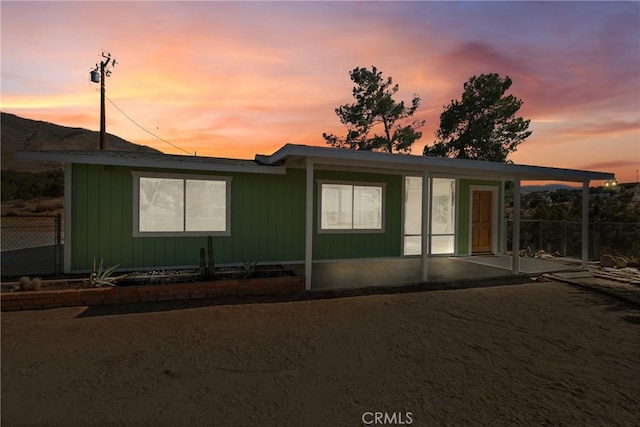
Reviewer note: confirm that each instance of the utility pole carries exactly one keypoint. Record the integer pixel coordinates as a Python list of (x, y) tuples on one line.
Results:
[(100, 78)]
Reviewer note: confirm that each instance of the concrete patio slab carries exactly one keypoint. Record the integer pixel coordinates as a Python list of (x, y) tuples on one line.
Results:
[(527, 265), (353, 274)]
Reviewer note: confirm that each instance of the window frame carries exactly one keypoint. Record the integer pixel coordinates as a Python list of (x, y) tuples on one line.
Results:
[(320, 230), (430, 235), (454, 233), (136, 175)]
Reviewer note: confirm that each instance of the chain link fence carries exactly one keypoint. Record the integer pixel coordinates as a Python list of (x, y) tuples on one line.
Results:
[(31, 245), (565, 237)]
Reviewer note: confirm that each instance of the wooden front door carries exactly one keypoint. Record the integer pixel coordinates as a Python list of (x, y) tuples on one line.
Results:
[(481, 222)]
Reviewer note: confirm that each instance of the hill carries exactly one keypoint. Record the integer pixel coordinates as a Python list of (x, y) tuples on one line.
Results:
[(546, 187), (17, 133)]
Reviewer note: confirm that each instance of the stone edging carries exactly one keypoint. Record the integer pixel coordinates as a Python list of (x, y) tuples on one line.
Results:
[(33, 300)]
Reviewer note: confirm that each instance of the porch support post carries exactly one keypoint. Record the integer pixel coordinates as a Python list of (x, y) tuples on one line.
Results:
[(515, 245), (68, 190), (424, 261), (585, 225), (308, 241), (502, 225)]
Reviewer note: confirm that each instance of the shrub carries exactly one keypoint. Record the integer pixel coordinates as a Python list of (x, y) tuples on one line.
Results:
[(40, 208), (28, 185), (29, 284)]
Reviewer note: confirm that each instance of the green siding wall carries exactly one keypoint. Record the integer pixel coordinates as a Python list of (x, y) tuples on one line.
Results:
[(267, 221), (362, 245), (463, 212)]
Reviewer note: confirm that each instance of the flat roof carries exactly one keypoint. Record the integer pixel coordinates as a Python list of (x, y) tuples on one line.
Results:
[(295, 155), (148, 160)]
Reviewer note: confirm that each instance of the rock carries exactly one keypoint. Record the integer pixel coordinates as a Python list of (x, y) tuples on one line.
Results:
[(621, 262), (523, 253), (543, 255), (556, 254), (607, 261)]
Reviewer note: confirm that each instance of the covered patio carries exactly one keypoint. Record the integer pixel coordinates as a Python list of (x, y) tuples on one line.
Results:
[(430, 268)]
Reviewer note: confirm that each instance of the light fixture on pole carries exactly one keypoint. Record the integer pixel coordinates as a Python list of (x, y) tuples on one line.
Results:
[(100, 78)]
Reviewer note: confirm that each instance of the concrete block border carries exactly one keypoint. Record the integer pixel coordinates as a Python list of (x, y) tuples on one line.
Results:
[(34, 300)]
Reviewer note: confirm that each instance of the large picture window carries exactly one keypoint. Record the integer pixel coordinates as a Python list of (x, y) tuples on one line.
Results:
[(356, 207), (442, 215), (180, 205), (443, 219)]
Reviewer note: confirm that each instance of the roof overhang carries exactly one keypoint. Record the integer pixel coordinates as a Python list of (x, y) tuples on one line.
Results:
[(146, 160), (292, 154)]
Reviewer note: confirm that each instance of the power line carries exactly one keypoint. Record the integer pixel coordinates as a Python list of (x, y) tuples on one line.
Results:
[(148, 131)]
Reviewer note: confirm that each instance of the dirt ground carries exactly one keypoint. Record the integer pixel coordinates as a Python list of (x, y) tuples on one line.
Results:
[(36, 206), (531, 354)]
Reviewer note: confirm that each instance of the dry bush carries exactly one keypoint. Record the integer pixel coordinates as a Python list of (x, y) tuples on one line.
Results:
[(56, 205), (25, 283), (29, 284), (40, 208), (46, 206)]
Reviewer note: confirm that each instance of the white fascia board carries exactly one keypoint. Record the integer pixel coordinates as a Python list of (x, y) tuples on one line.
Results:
[(97, 159), (453, 167)]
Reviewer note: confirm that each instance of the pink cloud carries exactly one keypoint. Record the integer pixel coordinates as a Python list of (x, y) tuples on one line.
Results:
[(614, 127)]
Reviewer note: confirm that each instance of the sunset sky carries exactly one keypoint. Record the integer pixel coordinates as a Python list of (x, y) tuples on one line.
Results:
[(236, 79)]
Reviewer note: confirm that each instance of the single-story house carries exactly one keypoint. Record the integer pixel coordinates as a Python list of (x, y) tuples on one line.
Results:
[(301, 204)]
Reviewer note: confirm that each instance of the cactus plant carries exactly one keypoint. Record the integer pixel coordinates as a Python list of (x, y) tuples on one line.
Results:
[(207, 269), (210, 257), (203, 264)]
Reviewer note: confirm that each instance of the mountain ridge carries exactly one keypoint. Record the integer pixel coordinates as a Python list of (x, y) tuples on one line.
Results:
[(19, 133)]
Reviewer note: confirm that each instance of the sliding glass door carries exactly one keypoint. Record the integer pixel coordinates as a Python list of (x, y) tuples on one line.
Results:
[(412, 215), (442, 215)]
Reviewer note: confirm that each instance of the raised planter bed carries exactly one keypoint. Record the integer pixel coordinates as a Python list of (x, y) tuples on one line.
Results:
[(193, 275), (31, 300)]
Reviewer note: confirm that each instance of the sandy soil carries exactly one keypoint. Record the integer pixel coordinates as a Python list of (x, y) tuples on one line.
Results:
[(36, 206), (533, 354)]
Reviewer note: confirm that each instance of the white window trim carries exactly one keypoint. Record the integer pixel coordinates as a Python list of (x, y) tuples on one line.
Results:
[(136, 175), (321, 230)]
